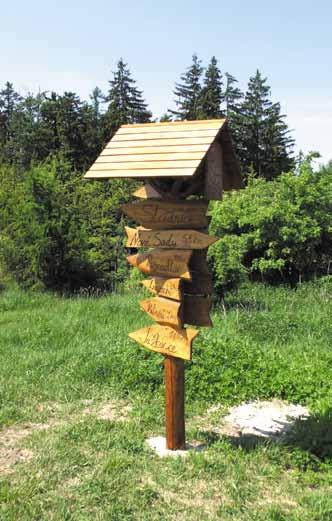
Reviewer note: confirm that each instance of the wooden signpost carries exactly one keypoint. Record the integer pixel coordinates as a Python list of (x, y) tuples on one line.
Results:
[(179, 159)]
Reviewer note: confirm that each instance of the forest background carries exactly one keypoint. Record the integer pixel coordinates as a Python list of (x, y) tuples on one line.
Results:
[(60, 232)]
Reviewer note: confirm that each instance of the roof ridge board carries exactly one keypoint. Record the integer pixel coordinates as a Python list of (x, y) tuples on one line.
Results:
[(176, 123)]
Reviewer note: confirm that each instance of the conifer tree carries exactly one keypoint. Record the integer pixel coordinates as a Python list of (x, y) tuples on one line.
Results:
[(126, 102), (264, 143), (211, 95), (188, 92), (232, 96)]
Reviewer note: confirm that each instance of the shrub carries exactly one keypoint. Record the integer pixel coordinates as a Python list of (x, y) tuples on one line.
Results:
[(58, 231), (277, 231)]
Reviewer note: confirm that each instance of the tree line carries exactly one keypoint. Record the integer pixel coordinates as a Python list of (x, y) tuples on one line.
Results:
[(37, 126), (59, 232)]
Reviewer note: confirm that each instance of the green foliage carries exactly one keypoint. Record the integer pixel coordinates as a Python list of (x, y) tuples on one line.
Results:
[(188, 92), (263, 141), (276, 231), (59, 232), (211, 95)]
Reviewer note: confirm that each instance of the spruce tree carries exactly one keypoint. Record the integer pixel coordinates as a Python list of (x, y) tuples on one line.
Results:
[(264, 142), (188, 92), (211, 95), (231, 96), (125, 101)]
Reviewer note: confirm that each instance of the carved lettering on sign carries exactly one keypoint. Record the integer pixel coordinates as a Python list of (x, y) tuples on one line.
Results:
[(183, 239), (165, 263), (166, 340), (170, 288), (159, 215), (197, 311), (163, 310)]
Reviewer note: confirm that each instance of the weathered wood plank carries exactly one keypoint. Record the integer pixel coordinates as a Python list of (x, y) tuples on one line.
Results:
[(160, 214), (170, 288), (213, 179), (198, 285), (145, 165), (198, 262), (220, 121), (151, 150), (183, 239), (196, 311), (213, 124), (152, 172), (164, 134), (147, 158), (161, 142), (163, 263), (147, 192), (163, 310), (166, 340)]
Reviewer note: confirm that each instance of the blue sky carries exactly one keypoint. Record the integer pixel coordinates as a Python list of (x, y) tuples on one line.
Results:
[(74, 45)]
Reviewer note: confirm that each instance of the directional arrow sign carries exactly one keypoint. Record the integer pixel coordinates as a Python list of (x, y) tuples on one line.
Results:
[(159, 215), (183, 239), (170, 288), (165, 263), (163, 310), (197, 311), (147, 191), (166, 340)]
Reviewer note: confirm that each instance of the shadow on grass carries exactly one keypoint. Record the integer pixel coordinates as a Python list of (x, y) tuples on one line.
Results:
[(312, 435)]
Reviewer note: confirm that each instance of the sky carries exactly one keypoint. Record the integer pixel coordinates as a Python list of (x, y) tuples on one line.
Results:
[(75, 45)]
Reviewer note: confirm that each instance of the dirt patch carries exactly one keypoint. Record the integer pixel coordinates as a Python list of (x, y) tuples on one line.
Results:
[(10, 453), (260, 419), (113, 410)]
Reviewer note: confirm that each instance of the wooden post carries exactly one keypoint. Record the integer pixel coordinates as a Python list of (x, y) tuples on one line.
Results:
[(174, 386)]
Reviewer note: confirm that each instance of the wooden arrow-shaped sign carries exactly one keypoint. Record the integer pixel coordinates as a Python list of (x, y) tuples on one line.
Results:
[(170, 288), (197, 311), (146, 192), (165, 263), (163, 310), (183, 239), (159, 215), (166, 340)]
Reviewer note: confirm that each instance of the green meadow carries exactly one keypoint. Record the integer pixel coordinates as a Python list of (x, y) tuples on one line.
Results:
[(78, 400)]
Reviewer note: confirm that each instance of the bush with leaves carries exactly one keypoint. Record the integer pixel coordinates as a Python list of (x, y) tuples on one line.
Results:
[(58, 231), (277, 231)]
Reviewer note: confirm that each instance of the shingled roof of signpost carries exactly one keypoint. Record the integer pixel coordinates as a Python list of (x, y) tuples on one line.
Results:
[(171, 149)]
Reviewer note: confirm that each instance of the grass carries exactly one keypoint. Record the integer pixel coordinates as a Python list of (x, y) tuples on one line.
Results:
[(63, 359)]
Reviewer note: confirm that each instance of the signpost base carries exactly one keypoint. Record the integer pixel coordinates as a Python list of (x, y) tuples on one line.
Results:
[(174, 384)]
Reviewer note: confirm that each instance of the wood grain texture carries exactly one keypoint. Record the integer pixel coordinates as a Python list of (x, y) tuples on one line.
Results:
[(198, 262), (213, 181), (172, 126), (182, 123), (163, 310), (159, 215), (161, 142), (164, 134), (147, 192), (182, 239), (164, 287), (174, 403), (166, 340), (153, 172), (196, 310), (163, 263), (128, 151), (199, 284), (157, 156), (145, 165)]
